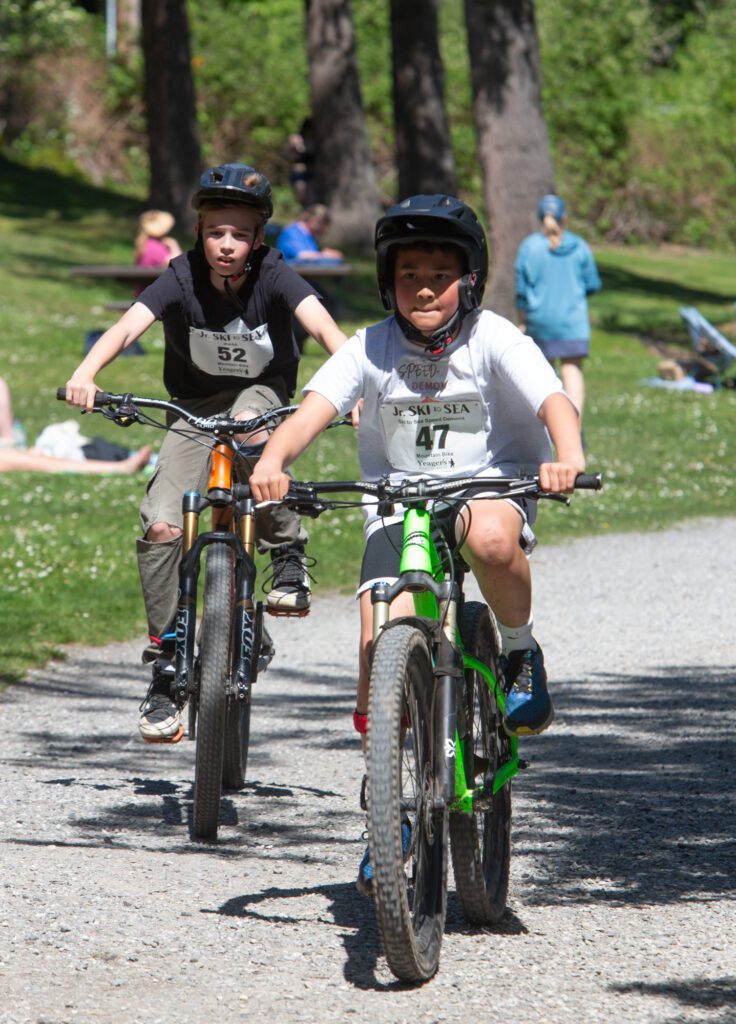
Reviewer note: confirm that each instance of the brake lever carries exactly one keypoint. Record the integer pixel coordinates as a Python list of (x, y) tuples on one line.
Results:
[(313, 510), (124, 415), (553, 496)]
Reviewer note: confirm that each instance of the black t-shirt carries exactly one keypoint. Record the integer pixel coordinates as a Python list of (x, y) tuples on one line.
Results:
[(210, 346)]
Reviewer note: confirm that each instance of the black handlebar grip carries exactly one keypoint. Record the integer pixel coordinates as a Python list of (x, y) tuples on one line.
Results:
[(588, 482), (102, 398)]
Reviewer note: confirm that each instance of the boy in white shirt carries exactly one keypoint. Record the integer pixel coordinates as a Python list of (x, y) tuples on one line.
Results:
[(448, 390)]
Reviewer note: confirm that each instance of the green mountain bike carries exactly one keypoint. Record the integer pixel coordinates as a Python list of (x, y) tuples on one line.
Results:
[(438, 759)]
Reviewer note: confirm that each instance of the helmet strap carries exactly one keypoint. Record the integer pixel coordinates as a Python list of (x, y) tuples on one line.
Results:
[(230, 291), (438, 341)]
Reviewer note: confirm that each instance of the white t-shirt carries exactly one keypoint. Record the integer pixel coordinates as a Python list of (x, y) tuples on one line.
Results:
[(473, 411)]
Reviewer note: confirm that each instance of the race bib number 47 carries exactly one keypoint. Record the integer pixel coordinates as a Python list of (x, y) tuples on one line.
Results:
[(435, 436), (227, 354)]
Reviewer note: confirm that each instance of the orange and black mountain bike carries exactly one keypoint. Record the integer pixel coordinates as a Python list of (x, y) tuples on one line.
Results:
[(220, 649)]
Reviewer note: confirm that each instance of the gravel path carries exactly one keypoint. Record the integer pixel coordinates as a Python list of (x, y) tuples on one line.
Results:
[(624, 862)]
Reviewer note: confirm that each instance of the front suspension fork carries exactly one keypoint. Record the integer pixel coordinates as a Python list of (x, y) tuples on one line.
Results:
[(242, 540)]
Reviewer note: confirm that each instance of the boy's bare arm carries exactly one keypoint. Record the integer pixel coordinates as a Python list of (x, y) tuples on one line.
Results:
[(268, 480), (318, 323), (81, 387), (561, 419)]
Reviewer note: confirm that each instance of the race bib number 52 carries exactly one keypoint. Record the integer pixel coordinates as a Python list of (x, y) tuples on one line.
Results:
[(226, 354)]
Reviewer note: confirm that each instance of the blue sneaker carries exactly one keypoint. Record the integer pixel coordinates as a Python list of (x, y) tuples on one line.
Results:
[(529, 708), (364, 884)]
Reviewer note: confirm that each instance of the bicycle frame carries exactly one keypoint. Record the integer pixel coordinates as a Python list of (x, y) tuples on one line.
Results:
[(233, 523), (437, 599)]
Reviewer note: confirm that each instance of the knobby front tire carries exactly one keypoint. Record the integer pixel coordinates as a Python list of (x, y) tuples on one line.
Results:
[(214, 656), (481, 842), (411, 896)]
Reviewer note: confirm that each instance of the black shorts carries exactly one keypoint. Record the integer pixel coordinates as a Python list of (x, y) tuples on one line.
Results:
[(382, 553)]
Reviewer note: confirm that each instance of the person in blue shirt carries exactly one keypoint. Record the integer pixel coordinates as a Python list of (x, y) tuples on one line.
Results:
[(555, 273), (299, 240)]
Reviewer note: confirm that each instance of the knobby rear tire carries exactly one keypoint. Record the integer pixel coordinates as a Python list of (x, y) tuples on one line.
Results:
[(237, 737), (237, 715), (410, 910), (214, 649), (481, 842)]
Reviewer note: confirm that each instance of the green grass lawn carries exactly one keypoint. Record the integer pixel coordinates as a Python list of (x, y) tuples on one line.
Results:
[(67, 557)]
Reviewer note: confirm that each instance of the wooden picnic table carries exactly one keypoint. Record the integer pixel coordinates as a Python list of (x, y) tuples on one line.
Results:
[(135, 276)]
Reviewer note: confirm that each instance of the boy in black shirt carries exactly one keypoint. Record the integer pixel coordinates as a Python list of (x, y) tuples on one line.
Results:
[(226, 308)]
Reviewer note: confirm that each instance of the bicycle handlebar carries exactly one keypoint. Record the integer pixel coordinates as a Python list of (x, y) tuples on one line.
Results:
[(126, 406), (300, 491), (302, 494)]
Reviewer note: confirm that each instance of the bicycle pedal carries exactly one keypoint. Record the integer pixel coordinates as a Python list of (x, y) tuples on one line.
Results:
[(166, 739), (288, 613)]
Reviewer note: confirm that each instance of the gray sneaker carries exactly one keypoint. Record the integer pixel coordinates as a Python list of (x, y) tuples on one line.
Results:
[(288, 584), (160, 720)]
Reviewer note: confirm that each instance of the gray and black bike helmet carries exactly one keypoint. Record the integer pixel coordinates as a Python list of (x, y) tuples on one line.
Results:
[(235, 183), (439, 219)]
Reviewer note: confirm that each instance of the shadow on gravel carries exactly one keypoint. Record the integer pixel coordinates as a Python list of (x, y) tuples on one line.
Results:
[(707, 994), (355, 916), (74, 681), (351, 913), (629, 799), (455, 923), (263, 814)]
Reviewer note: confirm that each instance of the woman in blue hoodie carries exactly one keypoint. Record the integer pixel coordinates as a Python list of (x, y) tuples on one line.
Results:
[(555, 273)]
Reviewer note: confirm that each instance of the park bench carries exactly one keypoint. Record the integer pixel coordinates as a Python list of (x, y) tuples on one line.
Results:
[(138, 277)]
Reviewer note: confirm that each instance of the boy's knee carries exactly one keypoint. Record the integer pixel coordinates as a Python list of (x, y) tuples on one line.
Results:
[(494, 545), (159, 533)]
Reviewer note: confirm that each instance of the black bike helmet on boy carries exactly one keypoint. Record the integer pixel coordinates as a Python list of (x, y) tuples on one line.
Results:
[(441, 219), (235, 183)]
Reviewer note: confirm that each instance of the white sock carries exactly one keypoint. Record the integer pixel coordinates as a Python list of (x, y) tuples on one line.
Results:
[(516, 638)]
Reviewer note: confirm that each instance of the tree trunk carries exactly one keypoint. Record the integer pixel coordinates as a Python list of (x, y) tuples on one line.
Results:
[(424, 155), (345, 176), (512, 134), (173, 134)]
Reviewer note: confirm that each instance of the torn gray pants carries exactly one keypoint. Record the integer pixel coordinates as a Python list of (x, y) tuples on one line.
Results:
[(183, 465)]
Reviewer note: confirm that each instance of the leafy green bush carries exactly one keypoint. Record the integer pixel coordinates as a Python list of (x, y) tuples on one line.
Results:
[(684, 137), (250, 69), (593, 53), (29, 31)]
